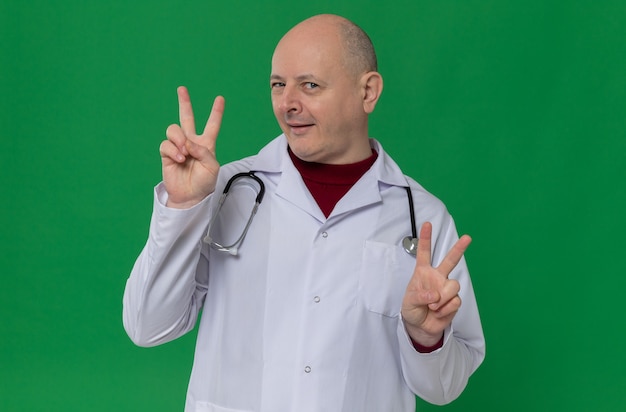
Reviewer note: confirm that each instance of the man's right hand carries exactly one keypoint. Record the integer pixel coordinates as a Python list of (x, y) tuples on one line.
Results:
[(190, 167)]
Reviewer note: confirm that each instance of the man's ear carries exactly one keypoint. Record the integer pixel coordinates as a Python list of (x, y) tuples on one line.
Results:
[(372, 87)]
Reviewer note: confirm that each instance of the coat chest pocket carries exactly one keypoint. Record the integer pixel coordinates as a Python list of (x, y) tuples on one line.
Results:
[(385, 272)]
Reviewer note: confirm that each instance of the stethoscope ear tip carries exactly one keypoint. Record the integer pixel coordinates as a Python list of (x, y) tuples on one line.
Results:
[(409, 244)]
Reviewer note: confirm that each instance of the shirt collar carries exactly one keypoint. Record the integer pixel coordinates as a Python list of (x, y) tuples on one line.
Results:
[(273, 158)]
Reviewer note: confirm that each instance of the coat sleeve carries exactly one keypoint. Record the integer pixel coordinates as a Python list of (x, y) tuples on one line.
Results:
[(168, 282), (441, 376)]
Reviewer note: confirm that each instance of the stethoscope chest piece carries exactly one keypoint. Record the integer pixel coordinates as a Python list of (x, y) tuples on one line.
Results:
[(409, 244)]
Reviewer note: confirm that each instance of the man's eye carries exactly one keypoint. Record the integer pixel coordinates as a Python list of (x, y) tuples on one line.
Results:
[(311, 85), (275, 85)]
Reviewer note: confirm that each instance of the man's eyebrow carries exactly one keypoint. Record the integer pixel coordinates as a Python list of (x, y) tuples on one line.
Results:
[(301, 77)]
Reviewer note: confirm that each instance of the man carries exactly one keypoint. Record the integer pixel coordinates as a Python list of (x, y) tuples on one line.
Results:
[(317, 307)]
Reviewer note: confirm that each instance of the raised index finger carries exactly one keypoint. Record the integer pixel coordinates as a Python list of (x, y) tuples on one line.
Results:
[(423, 244), (214, 122), (185, 112)]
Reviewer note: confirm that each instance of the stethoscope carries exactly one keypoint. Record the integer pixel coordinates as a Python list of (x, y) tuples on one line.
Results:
[(409, 243), (234, 247)]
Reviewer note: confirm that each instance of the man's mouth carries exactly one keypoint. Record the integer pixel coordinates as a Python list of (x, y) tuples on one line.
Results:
[(299, 128)]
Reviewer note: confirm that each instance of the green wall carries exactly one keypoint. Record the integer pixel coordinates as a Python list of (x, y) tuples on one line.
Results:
[(512, 112)]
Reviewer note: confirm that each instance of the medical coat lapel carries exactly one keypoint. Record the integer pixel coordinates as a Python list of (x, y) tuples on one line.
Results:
[(274, 160)]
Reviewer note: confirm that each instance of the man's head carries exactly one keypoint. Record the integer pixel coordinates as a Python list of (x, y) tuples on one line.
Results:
[(324, 85)]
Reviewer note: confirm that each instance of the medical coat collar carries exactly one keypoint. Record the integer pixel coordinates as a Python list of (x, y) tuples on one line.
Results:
[(273, 157)]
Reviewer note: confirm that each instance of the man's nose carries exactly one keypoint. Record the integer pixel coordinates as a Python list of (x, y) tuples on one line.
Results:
[(289, 101)]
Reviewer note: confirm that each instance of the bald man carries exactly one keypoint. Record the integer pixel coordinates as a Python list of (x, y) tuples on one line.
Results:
[(309, 300)]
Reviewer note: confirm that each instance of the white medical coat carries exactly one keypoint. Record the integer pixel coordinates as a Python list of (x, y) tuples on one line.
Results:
[(307, 316)]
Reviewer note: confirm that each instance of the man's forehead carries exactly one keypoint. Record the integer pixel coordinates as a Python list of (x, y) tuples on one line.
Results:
[(306, 55), (304, 67)]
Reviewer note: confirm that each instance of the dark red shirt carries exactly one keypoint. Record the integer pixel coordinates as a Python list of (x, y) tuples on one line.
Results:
[(329, 183)]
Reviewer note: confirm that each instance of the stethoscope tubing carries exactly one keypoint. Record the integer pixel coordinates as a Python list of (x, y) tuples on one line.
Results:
[(233, 248), (409, 243)]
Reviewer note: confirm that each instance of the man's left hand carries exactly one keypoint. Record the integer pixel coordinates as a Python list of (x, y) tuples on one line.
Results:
[(431, 300)]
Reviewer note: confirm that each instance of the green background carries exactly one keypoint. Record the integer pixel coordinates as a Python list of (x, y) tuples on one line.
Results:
[(512, 112)]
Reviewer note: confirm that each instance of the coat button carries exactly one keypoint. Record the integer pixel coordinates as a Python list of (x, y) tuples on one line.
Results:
[(307, 369)]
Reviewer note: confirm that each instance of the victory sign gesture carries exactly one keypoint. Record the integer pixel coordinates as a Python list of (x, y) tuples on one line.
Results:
[(190, 167), (431, 299)]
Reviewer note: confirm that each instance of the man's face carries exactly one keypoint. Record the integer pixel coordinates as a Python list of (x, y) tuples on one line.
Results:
[(317, 100)]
